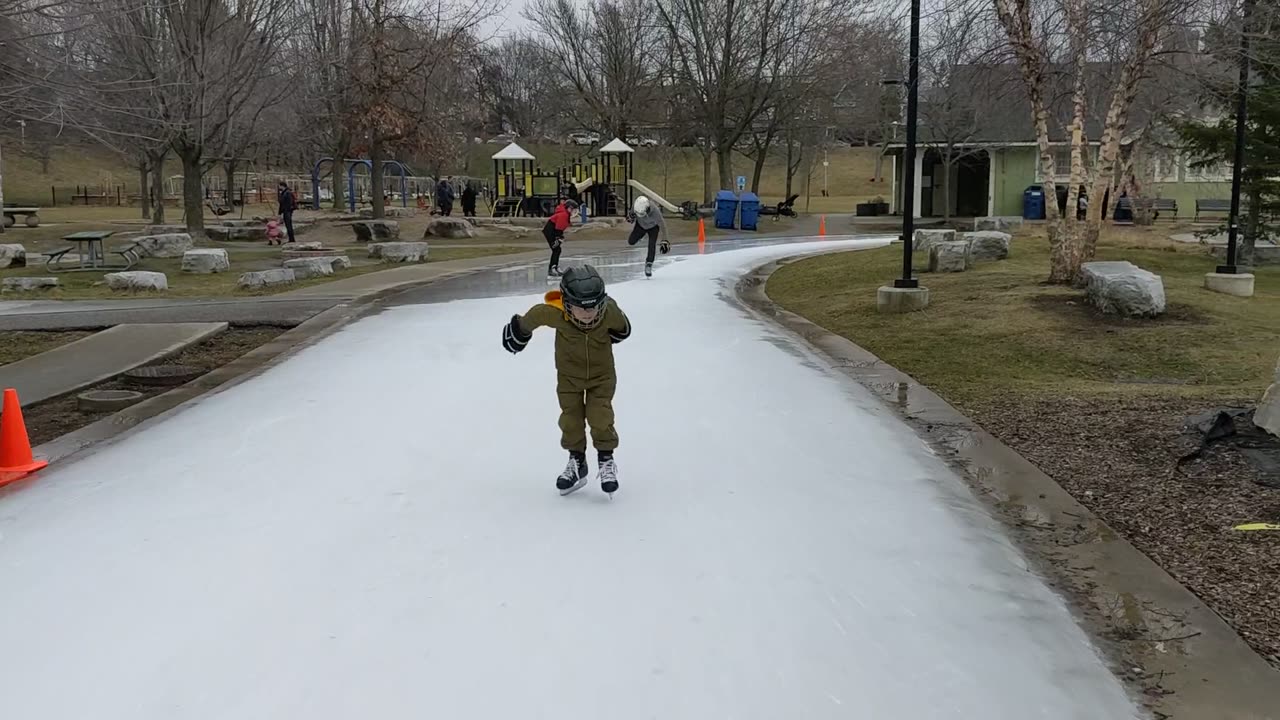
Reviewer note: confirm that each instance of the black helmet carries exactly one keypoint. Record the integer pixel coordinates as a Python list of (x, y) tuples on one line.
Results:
[(582, 287)]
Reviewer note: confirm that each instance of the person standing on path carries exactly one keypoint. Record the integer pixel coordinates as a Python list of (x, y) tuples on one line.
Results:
[(648, 221), (288, 203), (553, 231)]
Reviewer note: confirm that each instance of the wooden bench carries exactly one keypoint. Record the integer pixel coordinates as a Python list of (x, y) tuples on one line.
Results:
[(1215, 207), (31, 214)]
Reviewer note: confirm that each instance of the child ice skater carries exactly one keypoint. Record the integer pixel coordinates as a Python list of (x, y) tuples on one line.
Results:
[(553, 231), (588, 323), (648, 222)]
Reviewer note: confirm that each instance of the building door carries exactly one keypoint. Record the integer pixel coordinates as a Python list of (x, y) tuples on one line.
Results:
[(973, 175)]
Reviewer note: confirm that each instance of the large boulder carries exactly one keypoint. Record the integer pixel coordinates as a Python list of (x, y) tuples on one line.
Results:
[(168, 245), (925, 239), (515, 231), (999, 224), (391, 211), (449, 227), (988, 245), (132, 280), (1267, 415), (165, 229), (24, 284), (950, 256), (204, 261), (12, 255), (224, 233), (318, 266), (390, 252), (267, 278), (1122, 288), (376, 230)]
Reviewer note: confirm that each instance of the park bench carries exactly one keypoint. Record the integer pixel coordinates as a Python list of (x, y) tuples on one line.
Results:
[(31, 214), (130, 254), (53, 257), (1160, 206), (1210, 206)]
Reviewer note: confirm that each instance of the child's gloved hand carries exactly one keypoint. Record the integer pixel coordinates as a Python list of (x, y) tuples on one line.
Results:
[(617, 336), (665, 247), (512, 339)]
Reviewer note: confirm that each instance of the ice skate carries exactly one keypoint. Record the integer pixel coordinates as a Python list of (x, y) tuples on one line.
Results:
[(648, 269), (608, 474), (553, 273), (574, 475)]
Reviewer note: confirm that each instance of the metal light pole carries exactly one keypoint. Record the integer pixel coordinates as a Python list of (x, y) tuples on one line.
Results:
[(1233, 230), (909, 172)]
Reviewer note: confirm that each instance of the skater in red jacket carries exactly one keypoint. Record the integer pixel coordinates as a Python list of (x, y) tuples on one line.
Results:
[(553, 231)]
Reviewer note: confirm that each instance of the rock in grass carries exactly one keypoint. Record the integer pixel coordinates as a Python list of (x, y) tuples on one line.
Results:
[(1122, 288)]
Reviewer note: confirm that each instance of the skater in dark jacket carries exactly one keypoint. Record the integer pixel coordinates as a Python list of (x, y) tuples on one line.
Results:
[(588, 323), (648, 222), (553, 231)]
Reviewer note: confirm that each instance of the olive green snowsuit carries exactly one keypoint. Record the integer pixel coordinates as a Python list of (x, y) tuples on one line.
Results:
[(585, 375)]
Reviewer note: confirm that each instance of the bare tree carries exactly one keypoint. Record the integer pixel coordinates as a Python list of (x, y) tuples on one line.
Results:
[(523, 85), (1128, 30), (602, 51), (405, 56)]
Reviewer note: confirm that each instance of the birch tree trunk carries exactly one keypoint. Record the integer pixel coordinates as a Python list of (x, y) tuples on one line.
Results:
[(1152, 18)]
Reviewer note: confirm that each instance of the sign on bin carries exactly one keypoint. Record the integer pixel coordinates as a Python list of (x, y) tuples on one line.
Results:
[(742, 183)]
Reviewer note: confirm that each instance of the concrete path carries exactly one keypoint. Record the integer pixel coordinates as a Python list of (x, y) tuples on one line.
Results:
[(371, 529), (99, 357)]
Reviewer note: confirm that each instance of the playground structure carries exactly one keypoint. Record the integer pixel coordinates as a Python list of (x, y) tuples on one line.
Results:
[(520, 186), (355, 191), (603, 183)]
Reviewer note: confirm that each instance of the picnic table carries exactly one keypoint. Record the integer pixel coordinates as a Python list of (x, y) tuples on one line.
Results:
[(32, 215), (94, 259)]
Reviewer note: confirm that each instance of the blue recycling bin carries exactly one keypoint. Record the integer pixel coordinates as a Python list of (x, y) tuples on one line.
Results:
[(749, 209), (726, 209), (1033, 203)]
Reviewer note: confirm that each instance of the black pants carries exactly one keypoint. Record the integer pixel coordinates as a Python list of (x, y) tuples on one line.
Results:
[(638, 232), (288, 224), (554, 238)]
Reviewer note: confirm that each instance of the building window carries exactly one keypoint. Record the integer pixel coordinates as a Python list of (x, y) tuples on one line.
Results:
[(1218, 172), (1167, 166), (1062, 163)]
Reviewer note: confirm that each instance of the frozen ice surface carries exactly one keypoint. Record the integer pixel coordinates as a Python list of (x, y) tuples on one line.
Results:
[(371, 529)]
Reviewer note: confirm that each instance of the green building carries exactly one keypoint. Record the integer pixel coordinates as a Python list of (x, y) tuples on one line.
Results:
[(982, 120)]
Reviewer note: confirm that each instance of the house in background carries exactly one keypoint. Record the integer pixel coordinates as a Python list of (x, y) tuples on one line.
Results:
[(983, 121)]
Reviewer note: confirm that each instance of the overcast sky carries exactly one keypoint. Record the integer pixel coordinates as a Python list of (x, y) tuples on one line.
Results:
[(506, 21)]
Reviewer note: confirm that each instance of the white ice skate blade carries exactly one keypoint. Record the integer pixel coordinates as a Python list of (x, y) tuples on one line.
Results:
[(582, 482)]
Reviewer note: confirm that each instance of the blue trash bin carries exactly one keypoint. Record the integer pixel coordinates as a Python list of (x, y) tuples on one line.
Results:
[(1033, 203), (726, 209), (749, 209)]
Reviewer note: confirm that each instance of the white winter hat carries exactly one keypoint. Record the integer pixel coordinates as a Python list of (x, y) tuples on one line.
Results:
[(641, 205)]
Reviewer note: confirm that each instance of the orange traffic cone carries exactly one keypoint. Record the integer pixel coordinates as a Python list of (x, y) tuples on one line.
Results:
[(822, 226), (16, 461), (702, 235)]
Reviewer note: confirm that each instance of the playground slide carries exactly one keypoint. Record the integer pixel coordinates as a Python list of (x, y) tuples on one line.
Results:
[(582, 186), (654, 196)]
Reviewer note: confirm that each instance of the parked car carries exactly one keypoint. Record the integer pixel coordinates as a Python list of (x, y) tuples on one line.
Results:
[(584, 138), (635, 141)]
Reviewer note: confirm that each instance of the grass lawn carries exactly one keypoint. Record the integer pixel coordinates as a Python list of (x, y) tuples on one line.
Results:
[(1099, 403), (999, 328), (16, 345), (89, 285)]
